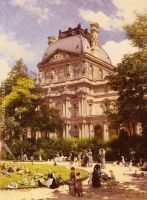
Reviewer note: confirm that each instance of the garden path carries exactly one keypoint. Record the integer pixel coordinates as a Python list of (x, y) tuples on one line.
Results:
[(129, 188)]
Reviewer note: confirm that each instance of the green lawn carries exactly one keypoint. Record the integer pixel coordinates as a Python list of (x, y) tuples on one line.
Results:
[(36, 170)]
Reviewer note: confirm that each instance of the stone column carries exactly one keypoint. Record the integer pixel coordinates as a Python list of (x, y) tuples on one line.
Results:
[(139, 128), (106, 132), (63, 109), (67, 130), (86, 131), (88, 127), (67, 108), (90, 131), (64, 131), (80, 108), (85, 107), (80, 131), (82, 113)]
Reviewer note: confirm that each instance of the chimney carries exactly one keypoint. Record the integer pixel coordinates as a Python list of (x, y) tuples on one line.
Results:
[(94, 31), (51, 40)]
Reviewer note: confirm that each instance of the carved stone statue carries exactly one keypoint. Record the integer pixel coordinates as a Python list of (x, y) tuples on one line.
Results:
[(94, 34), (90, 72), (53, 75), (85, 68), (69, 71)]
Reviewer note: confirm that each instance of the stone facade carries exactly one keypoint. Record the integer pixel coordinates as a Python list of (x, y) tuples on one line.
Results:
[(73, 72)]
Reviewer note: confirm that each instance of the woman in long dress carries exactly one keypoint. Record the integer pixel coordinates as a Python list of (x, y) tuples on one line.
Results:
[(96, 176)]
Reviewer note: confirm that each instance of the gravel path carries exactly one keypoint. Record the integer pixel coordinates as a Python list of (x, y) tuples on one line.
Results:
[(129, 188)]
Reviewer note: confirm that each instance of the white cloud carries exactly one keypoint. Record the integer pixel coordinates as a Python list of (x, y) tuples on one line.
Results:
[(116, 50), (34, 8), (126, 14), (55, 2), (4, 69), (127, 9), (106, 22), (15, 49), (11, 50)]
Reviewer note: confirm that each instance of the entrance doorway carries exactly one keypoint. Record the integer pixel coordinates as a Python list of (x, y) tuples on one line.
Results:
[(74, 132), (98, 132)]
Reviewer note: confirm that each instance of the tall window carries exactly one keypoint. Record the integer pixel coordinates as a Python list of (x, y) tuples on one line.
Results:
[(75, 110), (90, 109)]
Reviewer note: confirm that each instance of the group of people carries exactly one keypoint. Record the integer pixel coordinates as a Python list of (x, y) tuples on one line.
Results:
[(95, 180), (8, 170), (29, 179), (83, 159), (52, 181), (75, 183)]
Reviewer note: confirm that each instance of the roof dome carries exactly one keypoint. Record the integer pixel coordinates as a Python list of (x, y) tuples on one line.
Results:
[(101, 54), (76, 44)]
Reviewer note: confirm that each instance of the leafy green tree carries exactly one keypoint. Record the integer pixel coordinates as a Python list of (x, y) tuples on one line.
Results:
[(22, 105), (137, 31), (130, 78)]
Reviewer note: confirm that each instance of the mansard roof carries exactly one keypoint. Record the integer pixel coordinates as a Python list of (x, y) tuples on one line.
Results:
[(76, 40), (74, 44)]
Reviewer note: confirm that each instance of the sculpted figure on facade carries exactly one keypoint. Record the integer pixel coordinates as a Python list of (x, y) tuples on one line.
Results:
[(94, 35), (94, 39), (90, 71), (99, 74), (85, 66), (77, 71), (69, 71), (53, 75)]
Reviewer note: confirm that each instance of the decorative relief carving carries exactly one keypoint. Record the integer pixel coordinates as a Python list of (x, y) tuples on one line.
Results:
[(99, 74), (69, 71), (85, 66), (90, 72), (77, 71), (53, 75), (58, 57)]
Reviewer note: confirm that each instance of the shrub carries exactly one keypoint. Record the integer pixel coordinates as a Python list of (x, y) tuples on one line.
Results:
[(48, 148)]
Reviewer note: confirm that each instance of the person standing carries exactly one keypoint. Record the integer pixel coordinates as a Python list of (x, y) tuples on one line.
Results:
[(78, 185), (102, 153), (90, 158), (72, 182)]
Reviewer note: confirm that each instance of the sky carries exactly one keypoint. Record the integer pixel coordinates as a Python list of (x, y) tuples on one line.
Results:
[(26, 24)]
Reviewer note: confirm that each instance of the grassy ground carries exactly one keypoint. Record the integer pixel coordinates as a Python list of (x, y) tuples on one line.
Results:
[(35, 169)]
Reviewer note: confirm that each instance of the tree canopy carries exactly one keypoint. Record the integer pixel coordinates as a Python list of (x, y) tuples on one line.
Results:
[(137, 31), (130, 78), (22, 105)]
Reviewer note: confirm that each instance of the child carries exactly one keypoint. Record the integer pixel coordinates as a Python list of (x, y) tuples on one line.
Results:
[(72, 181), (78, 185)]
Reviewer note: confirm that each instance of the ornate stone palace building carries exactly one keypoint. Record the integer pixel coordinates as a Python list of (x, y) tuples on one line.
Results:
[(73, 71)]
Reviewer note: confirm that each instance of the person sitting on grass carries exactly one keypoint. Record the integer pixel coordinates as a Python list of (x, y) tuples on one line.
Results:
[(96, 176), (12, 185), (52, 181)]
